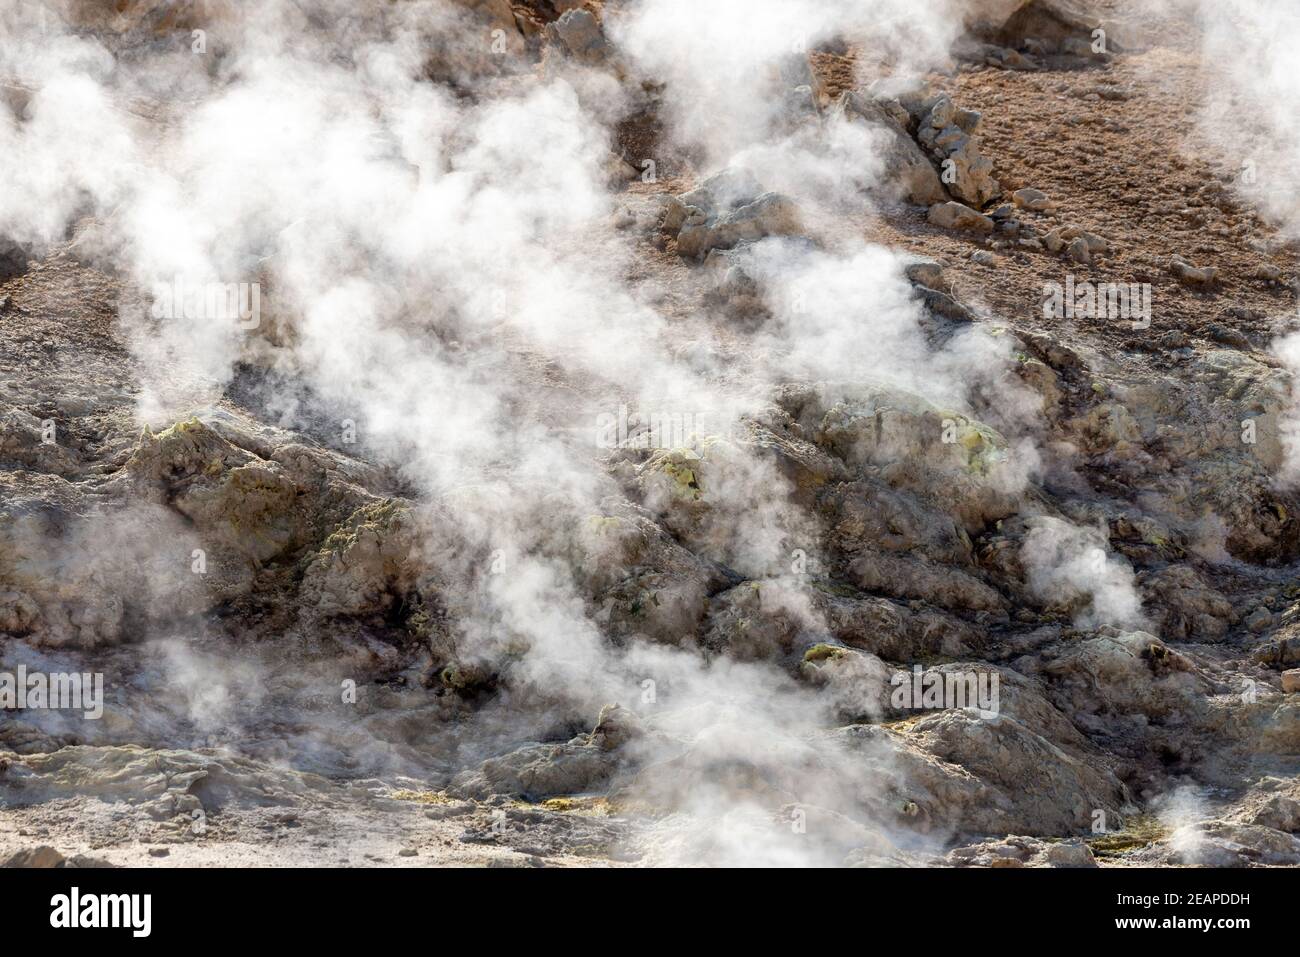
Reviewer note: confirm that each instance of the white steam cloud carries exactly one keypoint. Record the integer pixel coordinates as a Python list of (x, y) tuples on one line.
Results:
[(424, 253)]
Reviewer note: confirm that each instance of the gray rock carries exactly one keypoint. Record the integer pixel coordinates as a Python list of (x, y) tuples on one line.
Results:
[(952, 215), (1190, 275), (769, 214), (580, 35), (1260, 620), (906, 166), (13, 258), (1070, 854), (538, 771), (926, 272), (1033, 200), (945, 131)]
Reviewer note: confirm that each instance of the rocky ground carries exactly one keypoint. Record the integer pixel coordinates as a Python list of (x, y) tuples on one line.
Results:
[(361, 587)]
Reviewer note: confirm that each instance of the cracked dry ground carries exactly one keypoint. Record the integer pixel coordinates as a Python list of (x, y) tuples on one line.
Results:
[(324, 567)]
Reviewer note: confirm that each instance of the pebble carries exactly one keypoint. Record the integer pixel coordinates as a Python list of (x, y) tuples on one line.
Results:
[(1190, 275)]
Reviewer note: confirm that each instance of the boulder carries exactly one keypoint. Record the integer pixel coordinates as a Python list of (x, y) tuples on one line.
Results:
[(1128, 673), (1188, 608), (13, 259), (580, 35), (536, 772), (946, 131), (952, 215), (907, 168), (769, 214), (1034, 200), (367, 565)]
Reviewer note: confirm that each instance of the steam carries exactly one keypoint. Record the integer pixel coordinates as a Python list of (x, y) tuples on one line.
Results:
[(1248, 62), (1248, 52), (1070, 566), (728, 67), (426, 247), (1183, 811)]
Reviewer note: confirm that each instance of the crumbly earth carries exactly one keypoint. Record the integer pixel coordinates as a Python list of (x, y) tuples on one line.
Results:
[(311, 694)]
